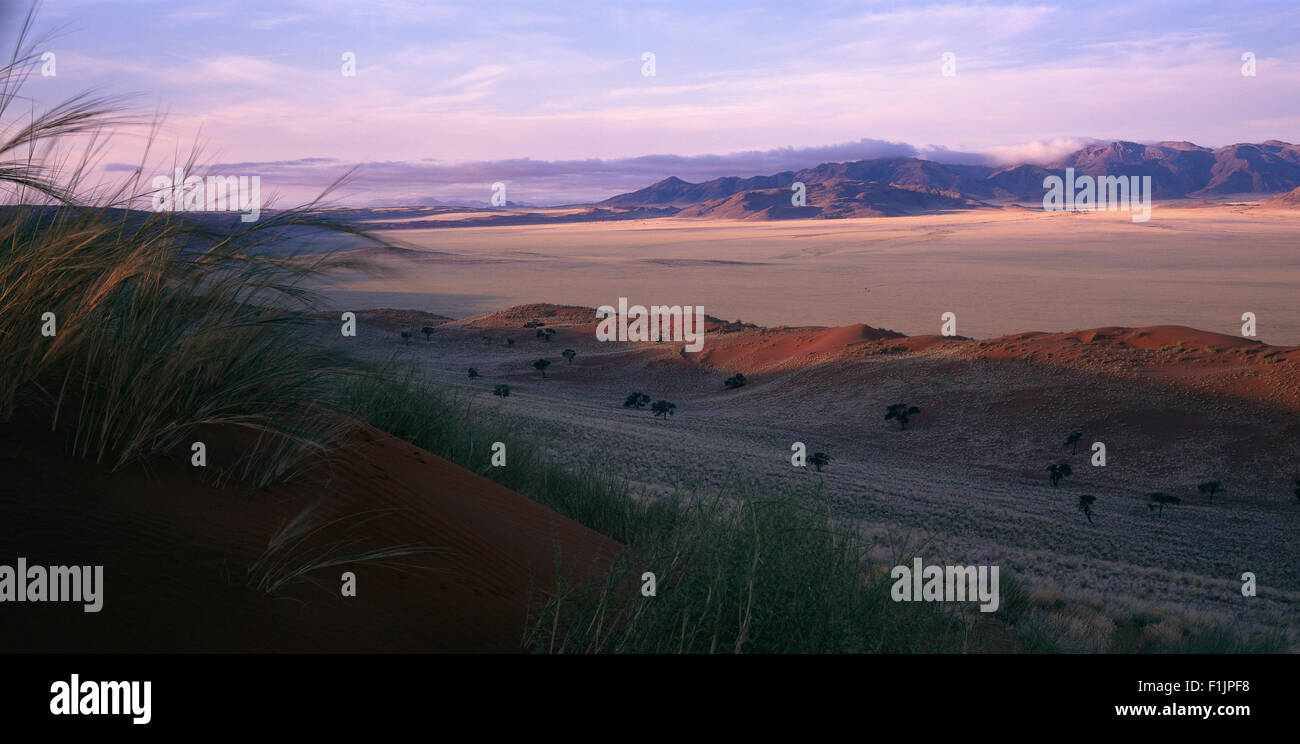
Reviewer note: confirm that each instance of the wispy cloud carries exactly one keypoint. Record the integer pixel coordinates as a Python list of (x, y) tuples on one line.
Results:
[(553, 182), (509, 84)]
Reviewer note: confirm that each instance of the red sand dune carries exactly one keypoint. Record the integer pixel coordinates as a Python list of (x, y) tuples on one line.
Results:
[(1214, 363), (712, 325), (1211, 362), (1157, 337), (175, 553), (542, 312), (1182, 339), (765, 350)]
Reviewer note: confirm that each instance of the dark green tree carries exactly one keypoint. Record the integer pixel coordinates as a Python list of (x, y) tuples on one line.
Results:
[(1072, 441), (902, 412), (1085, 505), (1209, 488), (1058, 471), (663, 408), (1159, 500)]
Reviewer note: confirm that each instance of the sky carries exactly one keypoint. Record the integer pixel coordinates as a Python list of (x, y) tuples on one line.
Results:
[(551, 97)]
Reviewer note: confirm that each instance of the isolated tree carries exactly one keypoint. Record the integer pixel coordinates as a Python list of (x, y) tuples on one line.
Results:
[(636, 400), (902, 412), (540, 365), (487, 339), (1085, 505), (510, 342), (819, 459), (1058, 471), (1209, 488), (1158, 501), (406, 336), (569, 354), (1072, 441), (473, 373), (663, 408), (1297, 490), (502, 390), (428, 333), (545, 333), (735, 381)]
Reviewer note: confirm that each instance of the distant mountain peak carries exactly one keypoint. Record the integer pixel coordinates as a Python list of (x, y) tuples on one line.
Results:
[(903, 184)]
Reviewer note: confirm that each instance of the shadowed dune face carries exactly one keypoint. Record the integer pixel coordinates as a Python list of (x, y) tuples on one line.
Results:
[(176, 553)]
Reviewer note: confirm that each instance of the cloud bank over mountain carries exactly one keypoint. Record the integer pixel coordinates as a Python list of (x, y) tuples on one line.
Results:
[(556, 182)]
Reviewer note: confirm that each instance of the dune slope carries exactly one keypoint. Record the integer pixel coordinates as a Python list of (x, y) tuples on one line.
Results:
[(176, 553)]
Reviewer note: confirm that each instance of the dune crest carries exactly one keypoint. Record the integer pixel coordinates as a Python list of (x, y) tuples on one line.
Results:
[(1212, 362)]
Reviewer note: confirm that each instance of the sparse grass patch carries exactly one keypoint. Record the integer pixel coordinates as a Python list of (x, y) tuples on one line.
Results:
[(739, 571)]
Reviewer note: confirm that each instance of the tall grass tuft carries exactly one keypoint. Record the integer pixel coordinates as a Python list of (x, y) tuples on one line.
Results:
[(165, 326), (303, 546)]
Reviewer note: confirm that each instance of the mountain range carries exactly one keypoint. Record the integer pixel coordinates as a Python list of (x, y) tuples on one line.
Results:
[(904, 185)]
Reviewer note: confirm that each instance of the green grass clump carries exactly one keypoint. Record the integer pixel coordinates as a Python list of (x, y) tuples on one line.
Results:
[(742, 575)]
